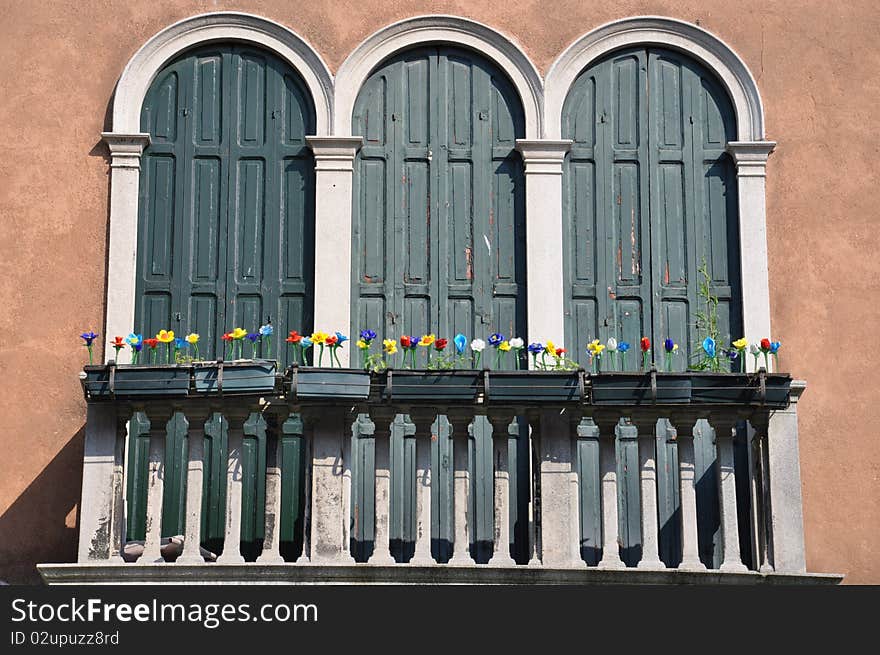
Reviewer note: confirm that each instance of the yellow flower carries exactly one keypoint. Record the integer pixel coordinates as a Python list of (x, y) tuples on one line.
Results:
[(363, 345), (165, 336), (741, 344), (319, 338), (427, 340), (390, 346), (504, 345), (238, 334), (550, 348), (192, 338), (595, 348)]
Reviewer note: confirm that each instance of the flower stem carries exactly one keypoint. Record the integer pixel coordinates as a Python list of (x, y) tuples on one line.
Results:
[(645, 360), (477, 357), (766, 363), (89, 348)]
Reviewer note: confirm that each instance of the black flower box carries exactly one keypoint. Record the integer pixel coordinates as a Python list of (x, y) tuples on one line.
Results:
[(309, 383), (127, 381), (237, 377), (535, 386), (649, 388), (425, 385), (769, 390)]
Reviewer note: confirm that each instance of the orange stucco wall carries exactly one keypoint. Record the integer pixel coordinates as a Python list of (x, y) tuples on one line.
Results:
[(816, 66)]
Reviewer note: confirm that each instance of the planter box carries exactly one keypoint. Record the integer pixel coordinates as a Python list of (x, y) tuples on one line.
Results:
[(442, 386), (740, 389), (535, 386), (640, 389), (126, 381), (254, 376), (332, 383)]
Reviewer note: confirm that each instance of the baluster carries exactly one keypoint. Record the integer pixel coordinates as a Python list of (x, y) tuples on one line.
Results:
[(534, 418), (500, 421), (607, 423), (459, 421), (690, 555), (383, 418), (232, 538), (272, 539), (423, 419), (760, 422), (117, 499), (306, 428), (194, 479), (155, 488), (558, 524), (646, 422), (725, 425)]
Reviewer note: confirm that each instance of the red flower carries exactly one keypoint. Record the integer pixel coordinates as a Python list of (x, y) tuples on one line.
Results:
[(119, 343), (646, 344), (765, 345), (405, 341), (560, 352), (331, 340), (295, 337), (440, 344), (227, 337), (152, 343)]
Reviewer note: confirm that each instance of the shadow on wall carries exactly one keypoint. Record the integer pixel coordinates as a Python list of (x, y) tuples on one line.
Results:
[(34, 529)]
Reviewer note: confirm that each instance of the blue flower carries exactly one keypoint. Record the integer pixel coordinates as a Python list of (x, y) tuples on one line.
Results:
[(368, 335), (709, 346), (622, 347), (536, 348), (732, 354), (669, 344), (180, 343), (414, 341), (252, 337), (341, 338), (267, 330), (496, 339), (460, 342), (775, 346), (305, 343), (89, 337)]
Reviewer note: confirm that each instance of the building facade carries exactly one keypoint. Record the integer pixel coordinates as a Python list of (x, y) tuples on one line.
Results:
[(440, 169)]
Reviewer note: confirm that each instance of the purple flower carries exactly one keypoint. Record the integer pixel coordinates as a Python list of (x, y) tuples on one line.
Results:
[(496, 339), (669, 344), (368, 335), (536, 348), (253, 337), (89, 337)]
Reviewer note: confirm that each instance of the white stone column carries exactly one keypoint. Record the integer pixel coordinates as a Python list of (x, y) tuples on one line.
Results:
[(125, 159), (382, 439), (232, 538), (272, 540), (608, 475), (724, 426), (500, 422), (543, 161), (690, 556), (101, 522), (559, 516), (334, 171), (423, 421), (155, 492), (194, 478), (328, 516), (751, 172), (460, 489), (787, 509), (647, 426)]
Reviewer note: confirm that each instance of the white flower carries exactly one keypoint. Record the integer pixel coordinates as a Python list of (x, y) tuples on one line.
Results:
[(754, 349), (516, 342), (611, 344), (478, 345)]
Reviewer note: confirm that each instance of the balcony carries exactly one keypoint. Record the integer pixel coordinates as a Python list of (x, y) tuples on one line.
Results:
[(584, 432)]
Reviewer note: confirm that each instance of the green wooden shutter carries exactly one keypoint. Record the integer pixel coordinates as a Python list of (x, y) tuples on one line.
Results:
[(649, 193), (439, 246), (225, 239)]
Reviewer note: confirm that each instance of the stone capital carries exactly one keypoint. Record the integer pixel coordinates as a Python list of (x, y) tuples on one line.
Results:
[(335, 153), (750, 157), (125, 149), (543, 156)]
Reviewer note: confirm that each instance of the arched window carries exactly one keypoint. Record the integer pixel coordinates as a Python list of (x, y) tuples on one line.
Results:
[(226, 211)]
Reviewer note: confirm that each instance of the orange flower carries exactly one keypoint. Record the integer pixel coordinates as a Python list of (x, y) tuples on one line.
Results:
[(295, 337), (331, 340)]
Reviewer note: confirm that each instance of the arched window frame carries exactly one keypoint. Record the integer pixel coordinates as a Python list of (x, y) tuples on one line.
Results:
[(750, 151), (126, 142)]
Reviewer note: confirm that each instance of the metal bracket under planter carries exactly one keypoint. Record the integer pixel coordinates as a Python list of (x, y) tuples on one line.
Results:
[(108, 381), (763, 389), (244, 377), (307, 383), (535, 386), (442, 386), (647, 388)]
